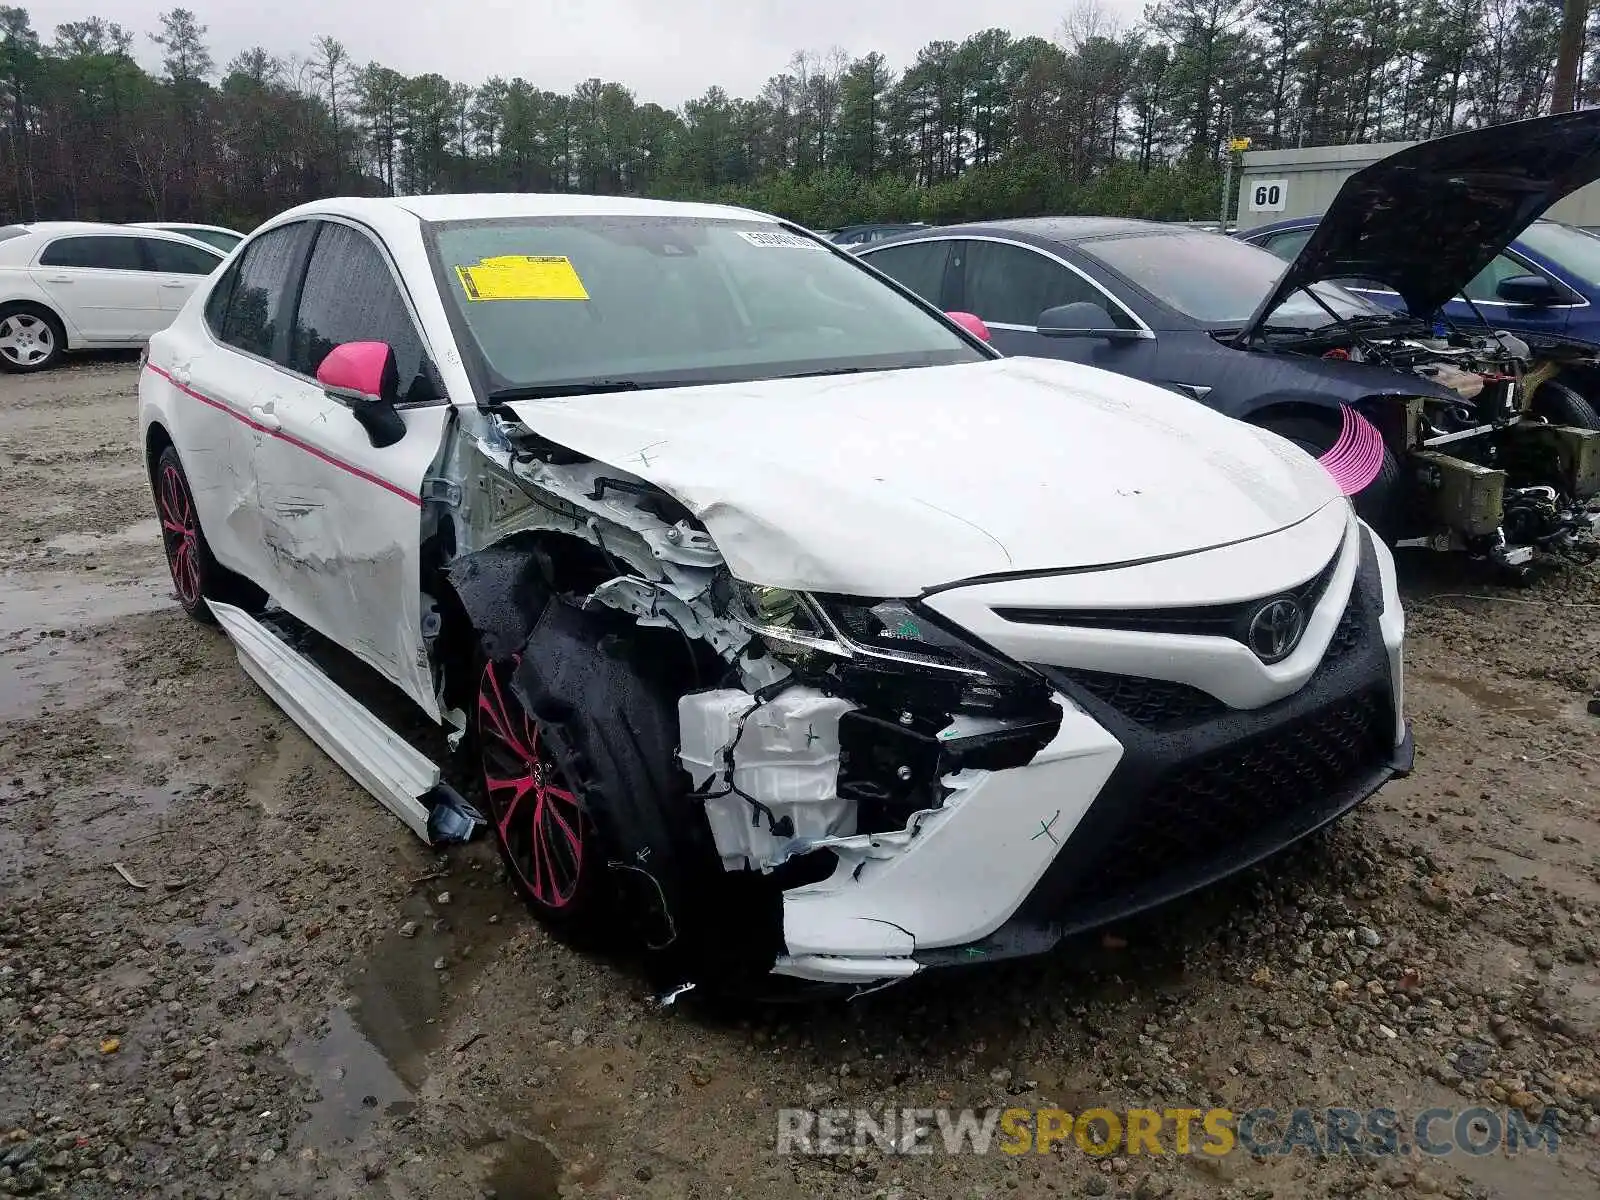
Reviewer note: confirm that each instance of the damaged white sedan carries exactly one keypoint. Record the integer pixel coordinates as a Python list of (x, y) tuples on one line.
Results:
[(777, 613)]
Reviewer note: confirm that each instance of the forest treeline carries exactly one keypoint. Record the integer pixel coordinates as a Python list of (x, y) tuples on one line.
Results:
[(1128, 120)]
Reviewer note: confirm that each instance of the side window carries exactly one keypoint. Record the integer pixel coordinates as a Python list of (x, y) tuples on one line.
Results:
[(1288, 243), (1485, 282), (918, 266), (350, 295), (1011, 285), (103, 253), (245, 309), (175, 258)]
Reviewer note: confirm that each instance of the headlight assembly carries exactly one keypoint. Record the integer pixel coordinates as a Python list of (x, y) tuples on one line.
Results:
[(890, 650)]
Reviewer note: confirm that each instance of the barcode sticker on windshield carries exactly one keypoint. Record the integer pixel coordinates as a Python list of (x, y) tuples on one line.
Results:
[(781, 240), (522, 277)]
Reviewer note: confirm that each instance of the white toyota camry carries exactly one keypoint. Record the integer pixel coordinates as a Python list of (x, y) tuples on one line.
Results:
[(770, 608)]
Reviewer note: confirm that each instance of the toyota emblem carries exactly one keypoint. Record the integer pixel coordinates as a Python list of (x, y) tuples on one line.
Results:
[(1275, 630)]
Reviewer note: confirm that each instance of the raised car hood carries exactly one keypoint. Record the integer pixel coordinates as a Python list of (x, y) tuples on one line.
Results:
[(894, 482), (1424, 221)]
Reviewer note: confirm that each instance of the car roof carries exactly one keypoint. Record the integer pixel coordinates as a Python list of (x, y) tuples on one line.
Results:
[(491, 205), (70, 226), (1074, 229)]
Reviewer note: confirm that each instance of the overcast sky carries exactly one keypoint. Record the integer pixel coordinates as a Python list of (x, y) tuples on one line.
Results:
[(665, 50)]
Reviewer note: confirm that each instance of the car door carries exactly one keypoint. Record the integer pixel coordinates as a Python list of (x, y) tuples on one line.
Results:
[(342, 518), (100, 283), (1009, 284), (178, 268), (244, 345)]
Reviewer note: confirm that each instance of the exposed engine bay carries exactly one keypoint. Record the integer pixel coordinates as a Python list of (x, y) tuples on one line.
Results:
[(1485, 471)]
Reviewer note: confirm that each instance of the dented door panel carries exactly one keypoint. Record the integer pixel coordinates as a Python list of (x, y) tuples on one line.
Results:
[(342, 527)]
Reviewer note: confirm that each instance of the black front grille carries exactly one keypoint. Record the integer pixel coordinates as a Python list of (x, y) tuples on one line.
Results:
[(1163, 705), (1347, 634), (1153, 703), (1206, 806), (1206, 620)]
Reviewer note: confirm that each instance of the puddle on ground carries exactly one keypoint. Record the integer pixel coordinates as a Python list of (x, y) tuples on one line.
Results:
[(58, 600), (140, 533), (398, 1011), (40, 666), (525, 1169), (354, 1082), (35, 676), (1495, 698)]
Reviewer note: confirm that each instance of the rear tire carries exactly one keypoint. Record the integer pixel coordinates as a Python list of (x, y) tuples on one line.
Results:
[(1378, 504), (196, 574), (31, 338)]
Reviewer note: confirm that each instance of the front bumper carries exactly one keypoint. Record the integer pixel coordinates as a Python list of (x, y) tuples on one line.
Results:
[(1151, 790)]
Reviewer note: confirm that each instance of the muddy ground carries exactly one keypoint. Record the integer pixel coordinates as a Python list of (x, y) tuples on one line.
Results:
[(301, 1001)]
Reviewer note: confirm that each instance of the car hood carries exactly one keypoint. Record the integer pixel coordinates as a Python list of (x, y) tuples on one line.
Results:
[(1424, 221), (894, 482)]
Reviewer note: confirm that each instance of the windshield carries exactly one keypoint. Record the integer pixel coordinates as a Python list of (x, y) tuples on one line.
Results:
[(561, 300), (1218, 280), (1573, 250)]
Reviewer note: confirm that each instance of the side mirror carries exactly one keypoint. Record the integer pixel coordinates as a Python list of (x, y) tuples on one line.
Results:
[(1082, 319), (1534, 290), (362, 377), (972, 323)]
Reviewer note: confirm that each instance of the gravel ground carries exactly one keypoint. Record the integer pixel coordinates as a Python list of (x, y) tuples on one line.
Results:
[(297, 999)]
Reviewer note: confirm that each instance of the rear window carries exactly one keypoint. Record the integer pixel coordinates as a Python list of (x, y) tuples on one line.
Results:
[(179, 259)]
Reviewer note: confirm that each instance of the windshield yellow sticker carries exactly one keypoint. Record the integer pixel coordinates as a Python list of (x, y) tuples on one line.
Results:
[(522, 277)]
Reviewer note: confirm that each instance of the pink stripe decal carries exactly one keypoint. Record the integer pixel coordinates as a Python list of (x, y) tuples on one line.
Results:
[(1356, 458), (293, 441)]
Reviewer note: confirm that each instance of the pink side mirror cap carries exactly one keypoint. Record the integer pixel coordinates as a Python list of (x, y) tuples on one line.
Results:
[(360, 369), (972, 323)]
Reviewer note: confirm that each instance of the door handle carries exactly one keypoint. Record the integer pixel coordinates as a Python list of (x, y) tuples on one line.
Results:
[(263, 416), (58, 278), (175, 284)]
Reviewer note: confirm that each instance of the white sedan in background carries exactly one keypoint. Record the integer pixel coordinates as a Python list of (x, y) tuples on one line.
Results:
[(71, 285)]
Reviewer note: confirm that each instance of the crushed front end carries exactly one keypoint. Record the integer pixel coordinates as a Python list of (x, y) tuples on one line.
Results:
[(874, 785)]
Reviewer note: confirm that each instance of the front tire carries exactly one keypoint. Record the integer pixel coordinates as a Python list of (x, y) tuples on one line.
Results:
[(1561, 404), (196, 574), (31, 338), (1378, 504), (549, 844)]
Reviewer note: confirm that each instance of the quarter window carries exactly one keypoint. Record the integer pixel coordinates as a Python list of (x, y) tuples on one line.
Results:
[(245, 308), (350, 295), (104, 253), (918, 266), (1010, 285)]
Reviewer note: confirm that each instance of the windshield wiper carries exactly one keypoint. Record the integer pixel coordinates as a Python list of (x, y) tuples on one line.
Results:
[(835, 371), (552, 391)]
